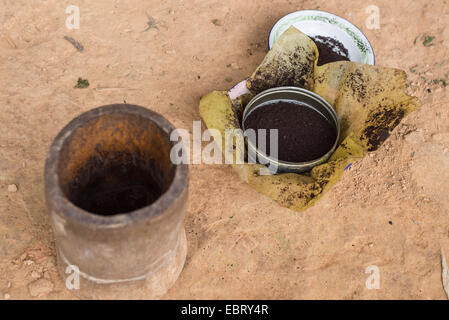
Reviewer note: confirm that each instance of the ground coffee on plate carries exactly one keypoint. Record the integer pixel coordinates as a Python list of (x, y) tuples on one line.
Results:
[(330, 50)]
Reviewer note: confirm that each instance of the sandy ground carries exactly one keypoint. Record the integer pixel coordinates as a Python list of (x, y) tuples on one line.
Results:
[(390, 209)]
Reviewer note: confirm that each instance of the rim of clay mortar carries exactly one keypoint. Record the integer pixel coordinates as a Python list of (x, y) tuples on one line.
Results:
[(61, 205)]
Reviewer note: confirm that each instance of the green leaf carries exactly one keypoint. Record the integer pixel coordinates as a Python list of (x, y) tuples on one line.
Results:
[(428, 41), (82, 83)]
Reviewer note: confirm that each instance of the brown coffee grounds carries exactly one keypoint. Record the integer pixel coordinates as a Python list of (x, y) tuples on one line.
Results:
[(303, 133), (122, 186), (330, 50)]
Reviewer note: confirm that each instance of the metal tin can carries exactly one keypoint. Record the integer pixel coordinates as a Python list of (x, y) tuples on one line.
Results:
[(295, 94), (135, 254)]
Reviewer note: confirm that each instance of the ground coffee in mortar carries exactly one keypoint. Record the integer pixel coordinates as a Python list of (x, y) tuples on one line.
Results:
[(330, 50), (303, 133), (122, 186)]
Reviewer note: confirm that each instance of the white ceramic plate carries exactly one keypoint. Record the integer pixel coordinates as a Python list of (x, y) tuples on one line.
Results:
[(319, 23)]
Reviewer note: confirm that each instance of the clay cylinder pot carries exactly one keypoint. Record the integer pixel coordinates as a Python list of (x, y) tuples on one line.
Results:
[(117, 204)]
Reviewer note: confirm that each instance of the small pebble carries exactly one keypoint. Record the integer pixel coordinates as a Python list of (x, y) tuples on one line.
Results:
[(217, 22), (28, 262), (40, 287), (50, 264), (235, 66), (12, 188)]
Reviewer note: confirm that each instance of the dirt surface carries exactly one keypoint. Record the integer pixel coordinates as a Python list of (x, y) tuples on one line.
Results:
[(390, 209)]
